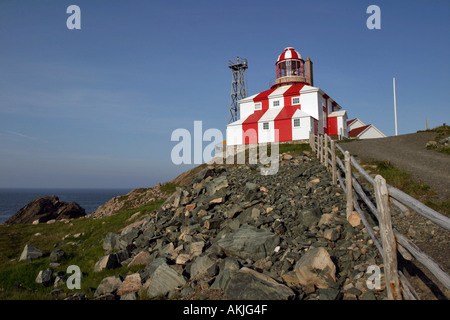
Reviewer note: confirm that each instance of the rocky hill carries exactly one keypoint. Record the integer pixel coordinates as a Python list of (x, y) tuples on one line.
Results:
[(45, 209), (233, 233)]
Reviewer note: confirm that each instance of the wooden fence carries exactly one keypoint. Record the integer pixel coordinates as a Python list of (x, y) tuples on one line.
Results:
[(392, 242)]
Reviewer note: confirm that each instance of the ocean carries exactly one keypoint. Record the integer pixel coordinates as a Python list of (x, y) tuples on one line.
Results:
[(12, 200)]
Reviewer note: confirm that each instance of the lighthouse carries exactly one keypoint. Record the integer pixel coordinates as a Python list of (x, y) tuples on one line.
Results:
[(291, 109)]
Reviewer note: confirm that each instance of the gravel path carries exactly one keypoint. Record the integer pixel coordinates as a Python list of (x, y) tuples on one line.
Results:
[(408, 152)]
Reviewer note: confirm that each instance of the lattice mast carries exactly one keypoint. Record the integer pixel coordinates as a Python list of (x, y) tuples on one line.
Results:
[(238, 85)]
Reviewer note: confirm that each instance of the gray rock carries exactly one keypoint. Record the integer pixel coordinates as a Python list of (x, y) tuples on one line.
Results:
[(108, 285), (57, 255), (311, 216), (30, 253), (164, 280), (45, 277), (249, 242), (247, 284), (369, 295), (328, 294), (203, 265), (111, 242), (109, 261), (215, 185)]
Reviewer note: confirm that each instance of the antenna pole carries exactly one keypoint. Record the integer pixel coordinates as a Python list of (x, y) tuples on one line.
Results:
[(395, 109)]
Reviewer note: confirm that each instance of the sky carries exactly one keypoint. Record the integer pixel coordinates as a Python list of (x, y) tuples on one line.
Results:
[(96, 107)]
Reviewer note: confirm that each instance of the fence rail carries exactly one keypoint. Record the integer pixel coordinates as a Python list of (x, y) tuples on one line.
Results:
[(392, 241)]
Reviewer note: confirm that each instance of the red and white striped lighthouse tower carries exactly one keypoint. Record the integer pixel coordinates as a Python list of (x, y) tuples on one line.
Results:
[(290, 109)]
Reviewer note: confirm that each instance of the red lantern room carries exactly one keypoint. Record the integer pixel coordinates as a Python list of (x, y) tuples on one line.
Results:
[(292, 69)]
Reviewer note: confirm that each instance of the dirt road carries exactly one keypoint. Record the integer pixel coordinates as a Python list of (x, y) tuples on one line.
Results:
[(408, 152)]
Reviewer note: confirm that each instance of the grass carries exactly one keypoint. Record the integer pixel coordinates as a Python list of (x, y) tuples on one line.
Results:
[(17, 279), (402, 180), (442, 133)]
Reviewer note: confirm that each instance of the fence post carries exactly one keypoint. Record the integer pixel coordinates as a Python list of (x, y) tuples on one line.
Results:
[(325, 143), (322, 141), (348, 183), (318, 146), (387, 240), (333, 162)]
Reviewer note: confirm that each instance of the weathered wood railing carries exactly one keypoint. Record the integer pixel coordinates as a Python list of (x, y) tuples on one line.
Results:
[(397, 286)]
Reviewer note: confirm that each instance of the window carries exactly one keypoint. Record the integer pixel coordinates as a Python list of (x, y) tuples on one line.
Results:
[(295, 100), (258, 106), (276, 103), (265, 125), (296, 122)]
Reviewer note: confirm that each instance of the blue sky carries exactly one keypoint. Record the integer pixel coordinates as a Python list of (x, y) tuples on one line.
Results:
[(96, 107)]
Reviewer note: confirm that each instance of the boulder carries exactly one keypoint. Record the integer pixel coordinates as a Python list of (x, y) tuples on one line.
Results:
[(30, 253), (109, 261), (141, 259), (111, 242), (164, 280), (45, 277), (108, 285), (315, 268), (57, 255), (132, 283), (44, 209), (249, 242), (203, 265), (247, 284)]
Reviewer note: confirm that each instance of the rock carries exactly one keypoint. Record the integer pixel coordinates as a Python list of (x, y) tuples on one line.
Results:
[(164, 280), (196, 249), (59, 280), (203, 265), (141, 259), (247, 284), (108, 285), (354, 219), (249, 242), (250, 191), (216, 184), (109, 261), (331, 234), (368, 295), (328, 294), (315, 268), (30, 253), (57, 255), (77, 296), (311, 216), (132, 283), (43, 209), (45, 277), (287, 156), (129, 296)]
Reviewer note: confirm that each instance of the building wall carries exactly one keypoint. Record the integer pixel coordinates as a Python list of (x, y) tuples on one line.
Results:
[(302, 132), (234, 135), (371, 133)]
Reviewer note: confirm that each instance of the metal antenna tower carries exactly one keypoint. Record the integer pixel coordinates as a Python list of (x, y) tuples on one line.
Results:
[(238, 85)]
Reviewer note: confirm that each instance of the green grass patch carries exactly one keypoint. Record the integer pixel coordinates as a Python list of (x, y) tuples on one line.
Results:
[(17, 279), (402, 180), (442, 133)]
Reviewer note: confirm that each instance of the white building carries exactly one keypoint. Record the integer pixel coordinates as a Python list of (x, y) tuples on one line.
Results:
[(290, 109), (359, 130)]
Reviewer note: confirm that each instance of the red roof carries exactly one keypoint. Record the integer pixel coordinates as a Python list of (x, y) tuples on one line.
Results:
[(355, 132), (350, 121), (289, 53)]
